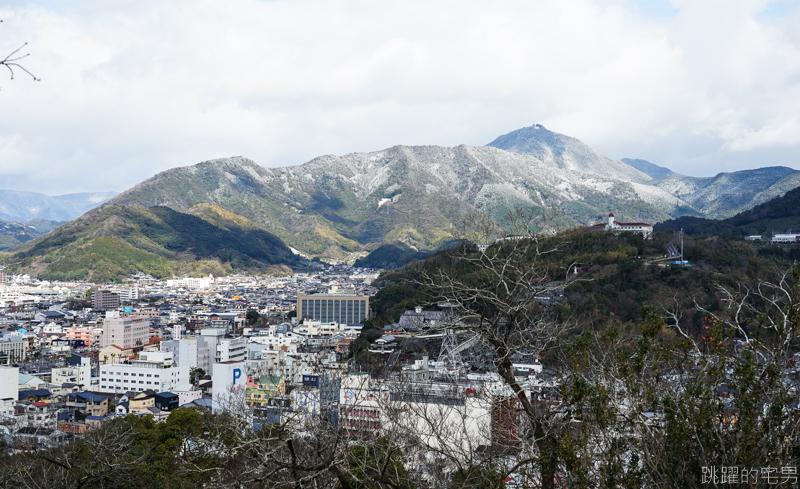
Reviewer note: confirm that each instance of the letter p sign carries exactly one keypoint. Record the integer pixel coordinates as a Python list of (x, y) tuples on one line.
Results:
[(236, 374)]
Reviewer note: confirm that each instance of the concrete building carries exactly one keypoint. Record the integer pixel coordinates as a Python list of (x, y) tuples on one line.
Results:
[(9, 383), (76, 374), (153, 370), (125, 332), (129, 294), (229, 383), (223, 348), (193, 352), (105, 299), (15, 346), (89, 336), (338, 306)]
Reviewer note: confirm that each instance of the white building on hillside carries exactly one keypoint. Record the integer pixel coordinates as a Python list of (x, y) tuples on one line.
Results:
[(616, 227)]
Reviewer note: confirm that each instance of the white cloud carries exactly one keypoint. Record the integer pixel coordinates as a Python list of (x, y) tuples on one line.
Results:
[(132, 88)]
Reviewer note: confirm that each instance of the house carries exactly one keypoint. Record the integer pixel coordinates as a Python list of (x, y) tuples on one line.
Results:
[(87, 403), (418, 318), (166, 401), (260, 390), (35, 395), (141, 403), (94, 422), (616, 227)]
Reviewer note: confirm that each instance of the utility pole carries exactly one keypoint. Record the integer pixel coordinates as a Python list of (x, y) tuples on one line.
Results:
[(681, 246)]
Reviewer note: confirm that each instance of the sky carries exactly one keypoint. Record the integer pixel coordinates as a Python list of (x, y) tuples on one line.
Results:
[(131, 88)]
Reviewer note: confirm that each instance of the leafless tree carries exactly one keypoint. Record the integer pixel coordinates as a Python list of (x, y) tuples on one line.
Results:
[(12, 61)]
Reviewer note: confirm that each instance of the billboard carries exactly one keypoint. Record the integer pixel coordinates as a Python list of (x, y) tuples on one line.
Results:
[(127, 309)]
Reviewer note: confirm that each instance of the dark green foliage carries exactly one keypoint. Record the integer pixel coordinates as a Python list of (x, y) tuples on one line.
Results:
[(391, 255), (779, 214), (377, 465), (252, 317)]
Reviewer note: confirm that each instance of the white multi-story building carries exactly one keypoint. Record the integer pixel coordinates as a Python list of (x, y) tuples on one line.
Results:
[(191, 283), (74, 374), (125, 332), (229, 382), (153, 370), (222, 348), (15, 346), (129, 294), (9, 384), (193, 352)]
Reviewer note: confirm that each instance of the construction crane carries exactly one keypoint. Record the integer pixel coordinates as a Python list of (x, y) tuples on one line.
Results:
[(449, 363)]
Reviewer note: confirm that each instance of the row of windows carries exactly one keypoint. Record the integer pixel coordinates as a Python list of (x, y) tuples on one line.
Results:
[(132, 375), (334, 310)]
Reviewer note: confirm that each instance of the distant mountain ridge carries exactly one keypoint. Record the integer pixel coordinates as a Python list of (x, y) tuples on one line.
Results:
[(648, 168), (409, 197), (418, 195), (24, 206), (566, 152), (14, 233), (779, 214), (112, 242)]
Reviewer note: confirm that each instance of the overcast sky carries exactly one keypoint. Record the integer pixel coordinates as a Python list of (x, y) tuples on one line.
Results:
[(131, 88)]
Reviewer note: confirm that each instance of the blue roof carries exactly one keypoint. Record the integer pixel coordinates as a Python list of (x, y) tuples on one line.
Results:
[(96, 418), (63, 416), (167, 394), (33, 393), (88, 396)]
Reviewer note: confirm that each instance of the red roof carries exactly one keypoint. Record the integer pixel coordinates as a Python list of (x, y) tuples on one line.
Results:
[(632, 224), (611, 214), (40, 404)]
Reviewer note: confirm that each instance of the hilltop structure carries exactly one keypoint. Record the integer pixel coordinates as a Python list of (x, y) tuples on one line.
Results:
[(616, 227)]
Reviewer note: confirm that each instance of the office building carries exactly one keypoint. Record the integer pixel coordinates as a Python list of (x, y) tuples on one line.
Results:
[(337, 306)]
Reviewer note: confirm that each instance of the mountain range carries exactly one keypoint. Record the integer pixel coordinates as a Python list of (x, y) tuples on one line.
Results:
[(24, 206), (779, 214), (342, 207)]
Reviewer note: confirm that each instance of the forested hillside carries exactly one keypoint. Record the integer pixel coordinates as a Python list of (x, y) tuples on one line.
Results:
[(114, 241)]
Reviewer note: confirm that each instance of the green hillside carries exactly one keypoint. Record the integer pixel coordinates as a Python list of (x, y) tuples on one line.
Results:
[(778, 214), (114, 241), (391, 255), (14, 233)]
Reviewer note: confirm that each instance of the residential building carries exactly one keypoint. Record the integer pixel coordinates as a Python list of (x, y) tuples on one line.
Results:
[(77, 374), (141, 403), (125, 332), (223, 348), (154, 370), (89, 336), (87, 403), (15, 346), (129, 294), (105, 299), (193, 352), (167, 401)]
